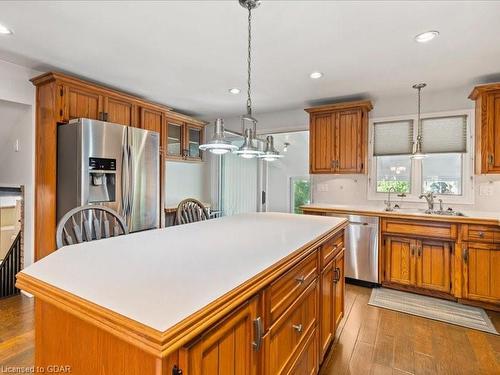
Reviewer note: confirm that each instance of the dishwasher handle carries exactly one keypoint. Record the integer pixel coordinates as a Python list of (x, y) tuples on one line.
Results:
[(358, 223)]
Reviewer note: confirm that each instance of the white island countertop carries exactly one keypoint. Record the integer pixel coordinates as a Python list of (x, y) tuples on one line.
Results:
[(160, 277)]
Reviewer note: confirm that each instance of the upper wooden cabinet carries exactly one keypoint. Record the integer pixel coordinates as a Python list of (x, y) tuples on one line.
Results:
[(183, 137), (338, 137), (487, 99)]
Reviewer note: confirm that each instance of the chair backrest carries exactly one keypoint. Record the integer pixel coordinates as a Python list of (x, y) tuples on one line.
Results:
[(191, 210), (89, 223)]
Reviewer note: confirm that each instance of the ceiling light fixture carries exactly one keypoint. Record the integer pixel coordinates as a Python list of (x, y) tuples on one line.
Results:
[(218, 145), (270, 153), (234, 91), (4, 30), (316, 75), (427, 36), (417, 146), (248, 123)]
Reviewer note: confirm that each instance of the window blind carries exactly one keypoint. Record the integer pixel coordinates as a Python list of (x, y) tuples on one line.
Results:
[(444, 134), (393, 138)]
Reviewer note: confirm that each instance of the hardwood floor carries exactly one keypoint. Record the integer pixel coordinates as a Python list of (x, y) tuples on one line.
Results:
[(17, 331), (370, 341)]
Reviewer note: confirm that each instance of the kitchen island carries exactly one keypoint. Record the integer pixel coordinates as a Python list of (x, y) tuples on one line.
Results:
[(232, 295)]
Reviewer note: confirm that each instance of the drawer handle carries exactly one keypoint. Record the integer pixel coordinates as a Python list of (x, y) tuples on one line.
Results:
[(481, 234), (297, 327), (300, 279)]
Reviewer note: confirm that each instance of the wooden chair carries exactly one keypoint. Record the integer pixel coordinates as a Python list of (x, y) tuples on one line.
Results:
[(89, 223), (191, 210)]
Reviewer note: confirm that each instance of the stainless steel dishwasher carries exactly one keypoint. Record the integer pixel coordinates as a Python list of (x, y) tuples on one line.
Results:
[(361, 248)]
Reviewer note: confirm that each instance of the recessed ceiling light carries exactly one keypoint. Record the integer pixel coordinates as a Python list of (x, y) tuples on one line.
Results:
[(234, 91), (316, 75), (5, 30), (427, 36)]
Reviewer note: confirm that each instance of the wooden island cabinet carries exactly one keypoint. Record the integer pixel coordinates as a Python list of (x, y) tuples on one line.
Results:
[(61, 98), (281, 320)]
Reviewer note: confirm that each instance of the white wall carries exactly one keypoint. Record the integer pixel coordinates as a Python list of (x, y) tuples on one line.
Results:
[(186, 180), (17, 121)]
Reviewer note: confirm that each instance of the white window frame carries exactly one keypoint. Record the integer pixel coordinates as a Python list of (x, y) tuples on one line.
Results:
[(467, 196)]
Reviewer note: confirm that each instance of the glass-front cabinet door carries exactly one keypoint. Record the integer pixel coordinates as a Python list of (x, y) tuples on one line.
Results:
[(194, 139), (174, 139)]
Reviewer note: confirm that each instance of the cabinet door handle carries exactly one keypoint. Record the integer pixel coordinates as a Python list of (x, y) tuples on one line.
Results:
[(419, 251), (258, 332), (297, 327), (465, 255), (490, 159), (412, 250), (336, 276), (300, 279)]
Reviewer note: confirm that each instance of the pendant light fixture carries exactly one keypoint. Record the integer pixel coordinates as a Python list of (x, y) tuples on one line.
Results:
[(417, 146), (218, 145), (249, 148), (270, 153)]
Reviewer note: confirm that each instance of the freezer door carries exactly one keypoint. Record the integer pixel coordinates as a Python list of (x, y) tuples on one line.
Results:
[(102, 140), (144, 179)]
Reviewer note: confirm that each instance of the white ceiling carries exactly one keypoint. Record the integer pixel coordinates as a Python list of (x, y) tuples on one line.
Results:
[(187, 54)]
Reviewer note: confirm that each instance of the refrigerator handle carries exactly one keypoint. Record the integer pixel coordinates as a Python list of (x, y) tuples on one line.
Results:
[(124, 180), (131, 177)]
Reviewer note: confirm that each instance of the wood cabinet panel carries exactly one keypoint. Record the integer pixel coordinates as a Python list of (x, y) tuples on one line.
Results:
[(322, 152), (349, 141), (339, 286), (119, 111), (288, 334), (227, 348), (400, 260), (481, 272), (434, 265), (81, 103), (284, 291), (419, 228), (307, 361), (487, 147)]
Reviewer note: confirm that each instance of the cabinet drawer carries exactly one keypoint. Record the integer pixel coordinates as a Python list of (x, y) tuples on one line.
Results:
[(420, 228), (331, 248), (288, 335), (483, 234), (307, 360), (281, 294)]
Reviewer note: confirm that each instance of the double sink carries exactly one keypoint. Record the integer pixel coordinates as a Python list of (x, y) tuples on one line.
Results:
[(448, 212)]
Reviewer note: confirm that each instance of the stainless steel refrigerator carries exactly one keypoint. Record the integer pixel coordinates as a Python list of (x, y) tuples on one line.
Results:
[(109, 164)]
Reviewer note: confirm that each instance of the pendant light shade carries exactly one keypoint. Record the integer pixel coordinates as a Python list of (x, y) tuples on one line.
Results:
[(218, 145), (270, 153), (417, 145), (248, 149)]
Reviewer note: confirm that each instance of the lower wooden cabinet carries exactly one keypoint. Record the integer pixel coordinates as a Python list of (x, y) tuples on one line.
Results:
[(482, 272), (287, 336), (228, 348), (307, 361), (418, 263)]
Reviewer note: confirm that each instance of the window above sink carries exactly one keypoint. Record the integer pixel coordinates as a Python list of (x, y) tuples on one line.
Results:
[(447, 170)]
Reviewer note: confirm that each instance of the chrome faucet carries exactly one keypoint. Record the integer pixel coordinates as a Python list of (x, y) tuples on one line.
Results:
[(429, 197), (388, 206)]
